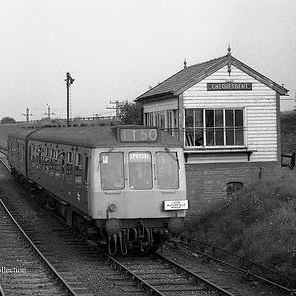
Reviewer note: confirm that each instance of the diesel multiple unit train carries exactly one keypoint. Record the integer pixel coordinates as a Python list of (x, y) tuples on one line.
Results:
[(122, 186)]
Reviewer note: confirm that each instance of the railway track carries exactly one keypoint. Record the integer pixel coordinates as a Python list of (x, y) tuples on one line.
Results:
[(273, 278), (162, 276), (36, 273), (241, 278), (159, 275), (61, 246), (25, 270), (217, 253), (174, 282), (166, 287)]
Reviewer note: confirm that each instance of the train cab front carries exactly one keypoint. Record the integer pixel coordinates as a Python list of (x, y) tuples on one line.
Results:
[(139, 195)]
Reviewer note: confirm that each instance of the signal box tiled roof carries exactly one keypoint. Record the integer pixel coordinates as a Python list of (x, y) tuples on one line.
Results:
[(191, 75)]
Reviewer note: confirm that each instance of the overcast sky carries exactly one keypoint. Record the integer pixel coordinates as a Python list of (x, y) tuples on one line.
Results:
[(116, 49)]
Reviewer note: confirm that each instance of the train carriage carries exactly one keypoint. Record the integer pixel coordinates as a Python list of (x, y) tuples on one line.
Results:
[(17, 152), (124, 186)]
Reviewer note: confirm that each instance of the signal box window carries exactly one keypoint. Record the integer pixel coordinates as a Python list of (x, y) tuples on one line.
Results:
[(167, 170), (140, 170), (214, 127), (112, 173)]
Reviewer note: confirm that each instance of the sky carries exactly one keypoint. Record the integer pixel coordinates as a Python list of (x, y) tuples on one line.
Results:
[(116, 49)]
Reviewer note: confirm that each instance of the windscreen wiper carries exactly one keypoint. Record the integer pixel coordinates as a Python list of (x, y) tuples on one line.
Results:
[(170, 153)]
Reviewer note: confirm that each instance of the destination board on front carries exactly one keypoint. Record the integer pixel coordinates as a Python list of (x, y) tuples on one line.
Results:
[(138, 135), (170, 205)]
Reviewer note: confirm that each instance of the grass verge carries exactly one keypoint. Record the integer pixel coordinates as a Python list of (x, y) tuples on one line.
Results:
[(258, 223)]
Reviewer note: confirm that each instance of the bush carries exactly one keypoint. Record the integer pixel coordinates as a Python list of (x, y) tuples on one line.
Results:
[(259, 223)]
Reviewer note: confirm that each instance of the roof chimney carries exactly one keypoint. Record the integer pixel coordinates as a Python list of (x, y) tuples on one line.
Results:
[(185, 63), (229, 59), (229, 49)]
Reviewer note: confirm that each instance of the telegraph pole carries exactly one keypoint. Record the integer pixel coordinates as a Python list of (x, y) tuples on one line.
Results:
[(27, 114), (117, 106), (69, 80)]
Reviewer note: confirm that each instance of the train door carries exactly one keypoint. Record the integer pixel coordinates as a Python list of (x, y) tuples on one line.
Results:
[(80, 179)]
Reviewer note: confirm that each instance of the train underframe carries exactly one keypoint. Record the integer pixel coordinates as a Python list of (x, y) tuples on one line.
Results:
[(114, 235)]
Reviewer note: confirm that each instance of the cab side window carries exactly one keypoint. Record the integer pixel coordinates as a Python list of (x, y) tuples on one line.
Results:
[(112, 170), (51, 163)]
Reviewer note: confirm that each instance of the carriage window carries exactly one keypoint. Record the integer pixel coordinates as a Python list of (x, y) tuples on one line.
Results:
[(69, 156), (86, 169), (46, 164), (51, 167), (56, 155), (77, 175), (42, 163), (167, 170), (69, 172), (140, 170), (57, 168), (78, 159), (112, 174), (52, 153), (78, 170)]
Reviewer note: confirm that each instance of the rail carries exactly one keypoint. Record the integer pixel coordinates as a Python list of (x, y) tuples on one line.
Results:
[(3, 150), (175, 266), (55, 272), (1, 291), (141, 281), (265, 269), (195, 276), (289, 290)]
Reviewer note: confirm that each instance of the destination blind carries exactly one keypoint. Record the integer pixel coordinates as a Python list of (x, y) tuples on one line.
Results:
[(138, 135)]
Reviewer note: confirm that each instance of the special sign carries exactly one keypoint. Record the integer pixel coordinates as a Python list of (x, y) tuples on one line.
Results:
[(138, 135), (242, 86), (139, 157)]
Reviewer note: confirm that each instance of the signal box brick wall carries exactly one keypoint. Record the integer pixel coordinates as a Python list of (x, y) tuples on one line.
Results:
[(207, 183)]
